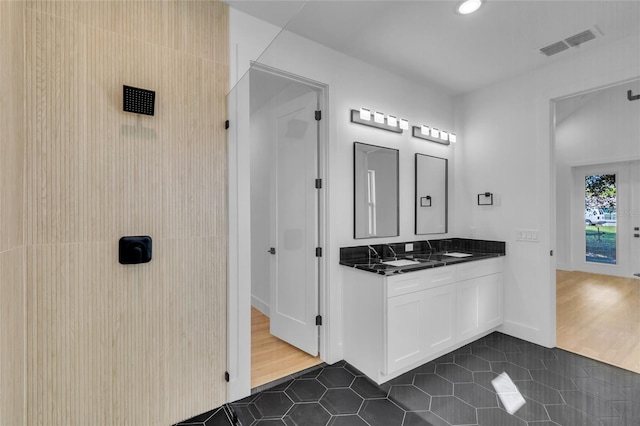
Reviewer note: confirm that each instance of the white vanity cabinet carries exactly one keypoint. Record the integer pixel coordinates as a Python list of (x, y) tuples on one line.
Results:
[(397, 322)]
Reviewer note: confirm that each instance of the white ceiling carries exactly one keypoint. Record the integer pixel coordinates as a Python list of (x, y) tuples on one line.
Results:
[(428, 42)]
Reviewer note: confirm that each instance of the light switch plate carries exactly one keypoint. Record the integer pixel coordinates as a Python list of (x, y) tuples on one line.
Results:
[(527, 235)]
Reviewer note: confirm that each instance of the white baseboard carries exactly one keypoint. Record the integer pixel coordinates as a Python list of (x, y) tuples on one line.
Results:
[(525, 332), (260, 305)]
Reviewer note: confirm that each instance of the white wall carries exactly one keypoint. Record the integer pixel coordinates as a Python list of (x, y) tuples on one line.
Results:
[(604, 129), (505, 147), (352, 84)]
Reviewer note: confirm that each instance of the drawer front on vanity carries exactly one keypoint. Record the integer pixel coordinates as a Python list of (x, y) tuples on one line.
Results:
[(479, 268), (398, 285)]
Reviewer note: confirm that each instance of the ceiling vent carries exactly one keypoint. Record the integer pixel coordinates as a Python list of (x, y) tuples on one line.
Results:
[(554, 48), (573, 41), (578, 39)]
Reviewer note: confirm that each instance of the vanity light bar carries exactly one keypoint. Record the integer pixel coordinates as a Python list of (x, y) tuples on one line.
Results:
[(432, 134), (379, 120)]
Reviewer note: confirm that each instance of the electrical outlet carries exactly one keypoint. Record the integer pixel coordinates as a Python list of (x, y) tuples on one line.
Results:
[(408, 247)]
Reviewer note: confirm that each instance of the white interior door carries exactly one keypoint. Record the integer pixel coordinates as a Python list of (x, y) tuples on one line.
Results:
[(603, 230), (294, 229)]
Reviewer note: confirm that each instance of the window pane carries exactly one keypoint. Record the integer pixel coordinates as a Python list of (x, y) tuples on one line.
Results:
[(600, 200)]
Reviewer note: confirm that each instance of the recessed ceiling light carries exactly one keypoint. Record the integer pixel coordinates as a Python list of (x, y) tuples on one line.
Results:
[(469, 6)]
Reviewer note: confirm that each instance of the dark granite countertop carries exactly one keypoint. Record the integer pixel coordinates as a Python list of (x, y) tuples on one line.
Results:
[(426, 255)]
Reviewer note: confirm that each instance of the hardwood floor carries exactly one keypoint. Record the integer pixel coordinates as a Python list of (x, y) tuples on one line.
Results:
[(272, 358), (598, 316)]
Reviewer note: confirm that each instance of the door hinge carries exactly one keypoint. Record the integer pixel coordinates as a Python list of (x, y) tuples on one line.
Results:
[(226, 124), (226, 376), (318, 319), (318, 183), (318, 115), (318, 251)]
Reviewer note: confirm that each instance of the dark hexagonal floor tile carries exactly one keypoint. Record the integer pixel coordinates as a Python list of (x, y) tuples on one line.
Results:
[(273, 404), (453, 410), (570, 370), (539, 392), (553, 380), (505, 346), (497, 416), (531, 411), (245, 415), (571, 358), (600, 389), (350, 420), (341, 401), (336, 378), (270, 422), (308, 414), (433, 384), (588, 403), (614, 376), (454, 373), (475, 395), (472, 362), (515, 372), (427, 368), (303, 390), (484, 378), (218, 419), (410, 398), (565, 415), (488, 353), (525, 360), (367, 389), (381, 412), (536, 351), (423, 418), (405, 379), (628, 409)]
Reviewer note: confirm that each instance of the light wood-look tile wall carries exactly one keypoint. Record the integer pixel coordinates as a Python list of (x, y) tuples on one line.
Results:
[(111, 344), (12, 281)]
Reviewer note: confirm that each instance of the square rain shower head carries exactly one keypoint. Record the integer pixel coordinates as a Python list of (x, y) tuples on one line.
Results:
[(138, 101)]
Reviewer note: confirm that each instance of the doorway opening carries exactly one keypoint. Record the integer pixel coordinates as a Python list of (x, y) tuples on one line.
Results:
[(286, 224), (597, 214)]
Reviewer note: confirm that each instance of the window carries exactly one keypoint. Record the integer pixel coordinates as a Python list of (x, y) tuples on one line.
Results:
[(600, 201)]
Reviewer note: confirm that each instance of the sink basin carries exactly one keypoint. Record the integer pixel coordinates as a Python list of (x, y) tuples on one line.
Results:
[(401, 262), (456, 254)]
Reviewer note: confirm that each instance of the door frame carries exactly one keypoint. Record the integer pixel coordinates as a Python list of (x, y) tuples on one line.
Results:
[(239, 259), (546, 108)]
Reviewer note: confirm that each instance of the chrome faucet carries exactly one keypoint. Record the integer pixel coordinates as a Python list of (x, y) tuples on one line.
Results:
[(395, 256), (430, 248), (375, 253)]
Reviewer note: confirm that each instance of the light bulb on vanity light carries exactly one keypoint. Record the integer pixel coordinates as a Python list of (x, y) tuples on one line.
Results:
[(452, 137), (444, 135), (378, 117), (435, 133), (425, 130), (365, 114), (392, 121), (404, 124)]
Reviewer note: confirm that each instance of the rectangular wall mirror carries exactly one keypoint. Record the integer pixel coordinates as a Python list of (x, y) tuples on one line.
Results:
[(431, 194), (376, 195)]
